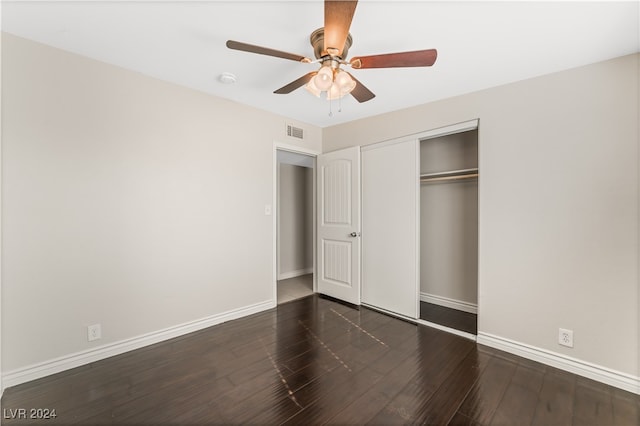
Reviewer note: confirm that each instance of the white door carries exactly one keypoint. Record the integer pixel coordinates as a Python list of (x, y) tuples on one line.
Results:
[(390, 227), (339, 224)]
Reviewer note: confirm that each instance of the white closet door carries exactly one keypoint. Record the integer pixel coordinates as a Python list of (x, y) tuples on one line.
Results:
[(390, 227)]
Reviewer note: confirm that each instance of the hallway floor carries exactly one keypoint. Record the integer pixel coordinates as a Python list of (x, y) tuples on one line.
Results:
[(295, 288)]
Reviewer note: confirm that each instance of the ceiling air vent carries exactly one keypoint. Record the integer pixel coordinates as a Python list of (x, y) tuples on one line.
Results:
[(295, 132)]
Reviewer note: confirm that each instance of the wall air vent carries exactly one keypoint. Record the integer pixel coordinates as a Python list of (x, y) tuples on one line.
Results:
[(295, 132)]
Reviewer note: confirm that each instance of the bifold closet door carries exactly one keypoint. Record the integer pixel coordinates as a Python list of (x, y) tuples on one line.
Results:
[(390, 227)]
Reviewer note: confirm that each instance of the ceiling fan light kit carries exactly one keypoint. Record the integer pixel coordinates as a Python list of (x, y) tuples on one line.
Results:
[(342, 85), (331, 45), (332, 80)]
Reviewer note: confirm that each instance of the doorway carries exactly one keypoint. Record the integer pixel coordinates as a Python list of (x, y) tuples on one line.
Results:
[(295, 225)]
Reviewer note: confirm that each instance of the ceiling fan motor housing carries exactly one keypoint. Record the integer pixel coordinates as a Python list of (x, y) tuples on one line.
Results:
[(317, 41)]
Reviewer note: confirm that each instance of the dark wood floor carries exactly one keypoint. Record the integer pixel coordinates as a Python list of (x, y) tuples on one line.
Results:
[(448, 317), (314, 361)]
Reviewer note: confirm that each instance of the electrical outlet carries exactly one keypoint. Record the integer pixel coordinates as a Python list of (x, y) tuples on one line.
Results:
[(94, 332), (565, 337)]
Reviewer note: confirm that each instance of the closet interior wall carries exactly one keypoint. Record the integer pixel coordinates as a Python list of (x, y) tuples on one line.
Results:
[(449, 221)]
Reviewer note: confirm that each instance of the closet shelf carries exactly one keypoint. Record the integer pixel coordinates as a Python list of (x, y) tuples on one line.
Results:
[(449, 175)]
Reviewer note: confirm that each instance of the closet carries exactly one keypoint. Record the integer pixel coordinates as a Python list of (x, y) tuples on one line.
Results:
[(420, 227), (449, 230)]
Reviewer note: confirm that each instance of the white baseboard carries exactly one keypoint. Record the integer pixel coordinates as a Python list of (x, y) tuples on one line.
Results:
[(601, 374), (460, 305), (57, 365), (293, 274)]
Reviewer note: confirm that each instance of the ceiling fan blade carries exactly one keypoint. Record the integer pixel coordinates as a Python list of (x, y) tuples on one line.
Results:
[(295, 84), (360, 92), (337, 21), (417, 58), (245, 47)]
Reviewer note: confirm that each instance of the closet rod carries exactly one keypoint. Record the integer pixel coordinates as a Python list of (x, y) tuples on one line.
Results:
[(450, 173), (446, 178)]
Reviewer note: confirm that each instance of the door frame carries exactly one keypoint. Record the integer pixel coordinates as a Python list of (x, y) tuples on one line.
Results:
[(281, 146)]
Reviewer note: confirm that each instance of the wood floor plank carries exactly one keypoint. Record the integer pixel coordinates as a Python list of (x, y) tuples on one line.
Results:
[(331, 393), (487, 392), (520, 398), (462, 420), (367, 406), (169, 402), (448, 317), (436, 366), (592, 404), (442, 407), (626, 408), (271, 405), (555, 400), (367, 318), (439, 362)]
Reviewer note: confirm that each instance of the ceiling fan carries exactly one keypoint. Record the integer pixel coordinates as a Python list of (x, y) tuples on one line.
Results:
[(331, 45)]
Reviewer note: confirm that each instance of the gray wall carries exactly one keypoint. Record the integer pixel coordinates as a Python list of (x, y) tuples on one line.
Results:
[(449, 220), (558, 205), (127, 201), (295, 220)]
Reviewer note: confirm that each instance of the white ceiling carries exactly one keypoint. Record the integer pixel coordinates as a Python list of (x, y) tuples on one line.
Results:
[(480, 44)]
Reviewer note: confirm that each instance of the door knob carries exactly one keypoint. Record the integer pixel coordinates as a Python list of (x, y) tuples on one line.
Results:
[(354, 234)]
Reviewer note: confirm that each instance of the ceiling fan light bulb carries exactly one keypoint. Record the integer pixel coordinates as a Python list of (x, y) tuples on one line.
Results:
[(312, 88), (345, 82), (324, 79), (335, 93)]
